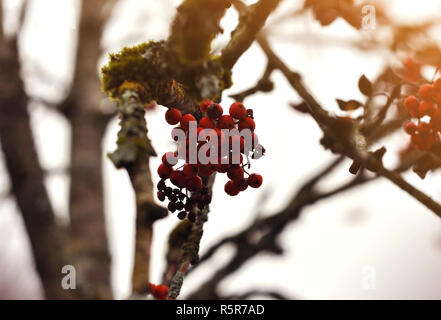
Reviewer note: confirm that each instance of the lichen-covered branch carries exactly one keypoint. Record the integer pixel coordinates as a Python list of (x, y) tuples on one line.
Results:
[(189, 248), (133, 152)]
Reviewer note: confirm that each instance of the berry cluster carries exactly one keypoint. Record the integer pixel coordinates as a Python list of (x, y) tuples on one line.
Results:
[(424, 133), (159, 292), (189, 179)]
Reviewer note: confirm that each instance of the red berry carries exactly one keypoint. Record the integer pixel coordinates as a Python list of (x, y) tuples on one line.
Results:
[(225, 122), (410, 127), (214, 111), (178, 179), (222, 168), (159, 292), (241, 184), (437, 85), (164, 171), (204, 105), (185, 121), (238, 110), (411, 102), (173, 116), (255, 180), (169, 159), (426, 92), (206, 170), (426, 108), (235, 173), (247, 123), (435, 121), (194, 183), (206, 122), (231, 189), (438, 99), (190, 170), (423, 127)]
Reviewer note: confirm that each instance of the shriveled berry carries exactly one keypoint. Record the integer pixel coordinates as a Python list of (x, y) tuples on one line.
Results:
[(214, 111), (191, 217), (185, 121), (238, 110), (255, 180), (179, 205), (161, 196), (173, 116), (161, 185), (182, 215), (171, 206)]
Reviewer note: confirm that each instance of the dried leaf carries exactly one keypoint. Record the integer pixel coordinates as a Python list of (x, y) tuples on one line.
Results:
[(365, 86), (349, 105)]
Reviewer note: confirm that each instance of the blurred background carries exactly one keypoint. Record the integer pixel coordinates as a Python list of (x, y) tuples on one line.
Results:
[(371, 242)]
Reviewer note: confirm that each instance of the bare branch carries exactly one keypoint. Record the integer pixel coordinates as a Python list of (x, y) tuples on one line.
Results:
[(244, 35), (344, 138), (262, 235)]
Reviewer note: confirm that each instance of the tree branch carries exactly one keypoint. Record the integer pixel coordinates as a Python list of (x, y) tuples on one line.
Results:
[(344, 137), (251, 22), (262, 235), (46, 238), (133, 152)]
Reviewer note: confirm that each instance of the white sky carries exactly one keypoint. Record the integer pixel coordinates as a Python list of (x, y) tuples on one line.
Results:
[(376, 227)]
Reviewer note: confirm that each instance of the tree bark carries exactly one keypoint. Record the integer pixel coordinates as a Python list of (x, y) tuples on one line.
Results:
[(27, 177), (88, 126)]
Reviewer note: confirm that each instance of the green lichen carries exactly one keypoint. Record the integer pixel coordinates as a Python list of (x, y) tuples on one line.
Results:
[(154, 71), (192, 32), (144, 65)]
